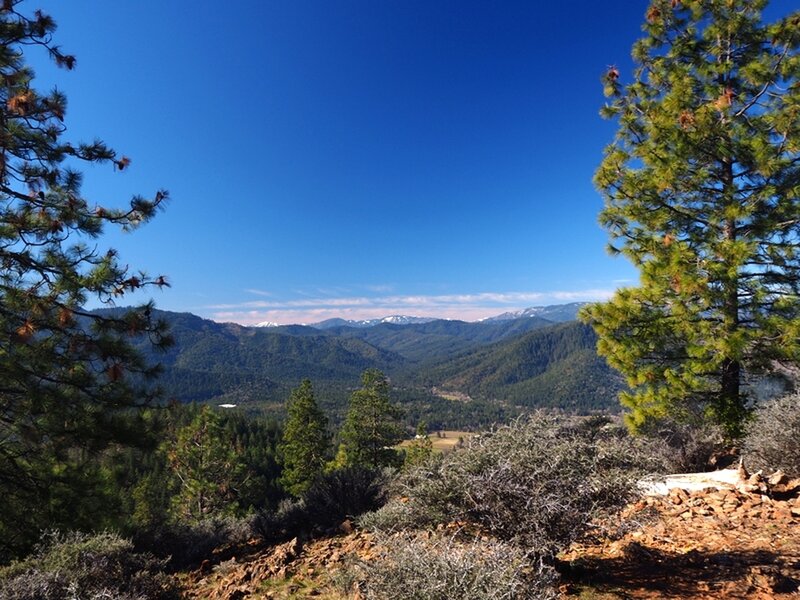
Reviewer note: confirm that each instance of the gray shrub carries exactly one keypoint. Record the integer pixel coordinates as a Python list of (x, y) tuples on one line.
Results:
[(772, 439), (537, 482), (435, 567), (90, 567)]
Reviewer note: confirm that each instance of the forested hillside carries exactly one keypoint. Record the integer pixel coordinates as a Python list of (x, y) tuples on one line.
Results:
[(555, 367), (429, 341), (449, 373)]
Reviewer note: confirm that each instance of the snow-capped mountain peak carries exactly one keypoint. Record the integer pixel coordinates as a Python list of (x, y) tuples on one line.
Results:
[(392, 319), (555, 313), (405, 320), (267, 324)]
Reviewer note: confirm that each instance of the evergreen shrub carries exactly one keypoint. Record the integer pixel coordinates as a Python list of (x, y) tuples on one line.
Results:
[(345, 493), (185, 544), (335, 496)]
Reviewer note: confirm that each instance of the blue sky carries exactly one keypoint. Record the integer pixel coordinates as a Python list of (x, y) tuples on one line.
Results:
[(353, 158)]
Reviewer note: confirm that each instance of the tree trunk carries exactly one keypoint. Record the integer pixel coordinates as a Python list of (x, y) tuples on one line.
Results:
[(730, 405)]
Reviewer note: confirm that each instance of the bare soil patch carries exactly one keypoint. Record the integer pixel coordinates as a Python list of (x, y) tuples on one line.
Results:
[(291, 570), (445, 441), (712, 543)]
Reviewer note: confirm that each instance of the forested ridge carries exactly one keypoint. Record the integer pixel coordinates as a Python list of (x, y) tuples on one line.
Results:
[(510, 365)]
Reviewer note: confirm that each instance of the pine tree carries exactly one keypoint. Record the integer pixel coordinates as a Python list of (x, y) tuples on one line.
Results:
[(701, 193), (371, 427), (209, 467), (420, 449), (67, 375), (305, 442)]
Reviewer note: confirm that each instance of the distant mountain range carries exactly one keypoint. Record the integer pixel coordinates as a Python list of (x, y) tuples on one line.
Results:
[(393, 319), (449, 373), (556, 313)]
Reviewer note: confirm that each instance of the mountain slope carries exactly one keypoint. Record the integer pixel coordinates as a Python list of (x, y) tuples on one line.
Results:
[(419, 342), (557, 313), (210, 359), (556, 366), (497, 367)]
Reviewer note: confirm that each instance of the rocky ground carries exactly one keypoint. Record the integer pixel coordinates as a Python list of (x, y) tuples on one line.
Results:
[(291, 570), (733, 540)]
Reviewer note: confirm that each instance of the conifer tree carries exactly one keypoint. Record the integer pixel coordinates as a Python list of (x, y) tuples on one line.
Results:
[(67, 375), (420, 449), (371, 427), (304, 447), (701, 192), (209, 466)]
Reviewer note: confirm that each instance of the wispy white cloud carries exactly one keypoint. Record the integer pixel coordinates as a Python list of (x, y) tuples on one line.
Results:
[(467, 307), (379, 288), (256, 292)]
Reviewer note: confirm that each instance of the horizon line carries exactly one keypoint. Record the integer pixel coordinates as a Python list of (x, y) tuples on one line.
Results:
[(251, 318)]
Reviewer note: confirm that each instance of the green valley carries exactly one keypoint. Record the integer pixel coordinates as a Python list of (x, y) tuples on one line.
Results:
[(450, 373)]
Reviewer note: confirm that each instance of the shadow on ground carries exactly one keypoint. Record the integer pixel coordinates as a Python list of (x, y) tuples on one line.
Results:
[(642, 572)]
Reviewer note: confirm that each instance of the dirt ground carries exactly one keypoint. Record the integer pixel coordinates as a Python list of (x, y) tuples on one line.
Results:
[(293, 570), (705, 544), (700, 544)]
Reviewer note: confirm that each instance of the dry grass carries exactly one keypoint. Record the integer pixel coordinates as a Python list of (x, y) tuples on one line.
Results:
[(445, 441)]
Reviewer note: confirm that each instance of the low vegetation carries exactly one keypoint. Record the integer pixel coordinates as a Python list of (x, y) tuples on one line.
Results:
[(184, 545), (104, 565), (335, 497), (437, 567), (773, 437), (534, 485), (688, 447)]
